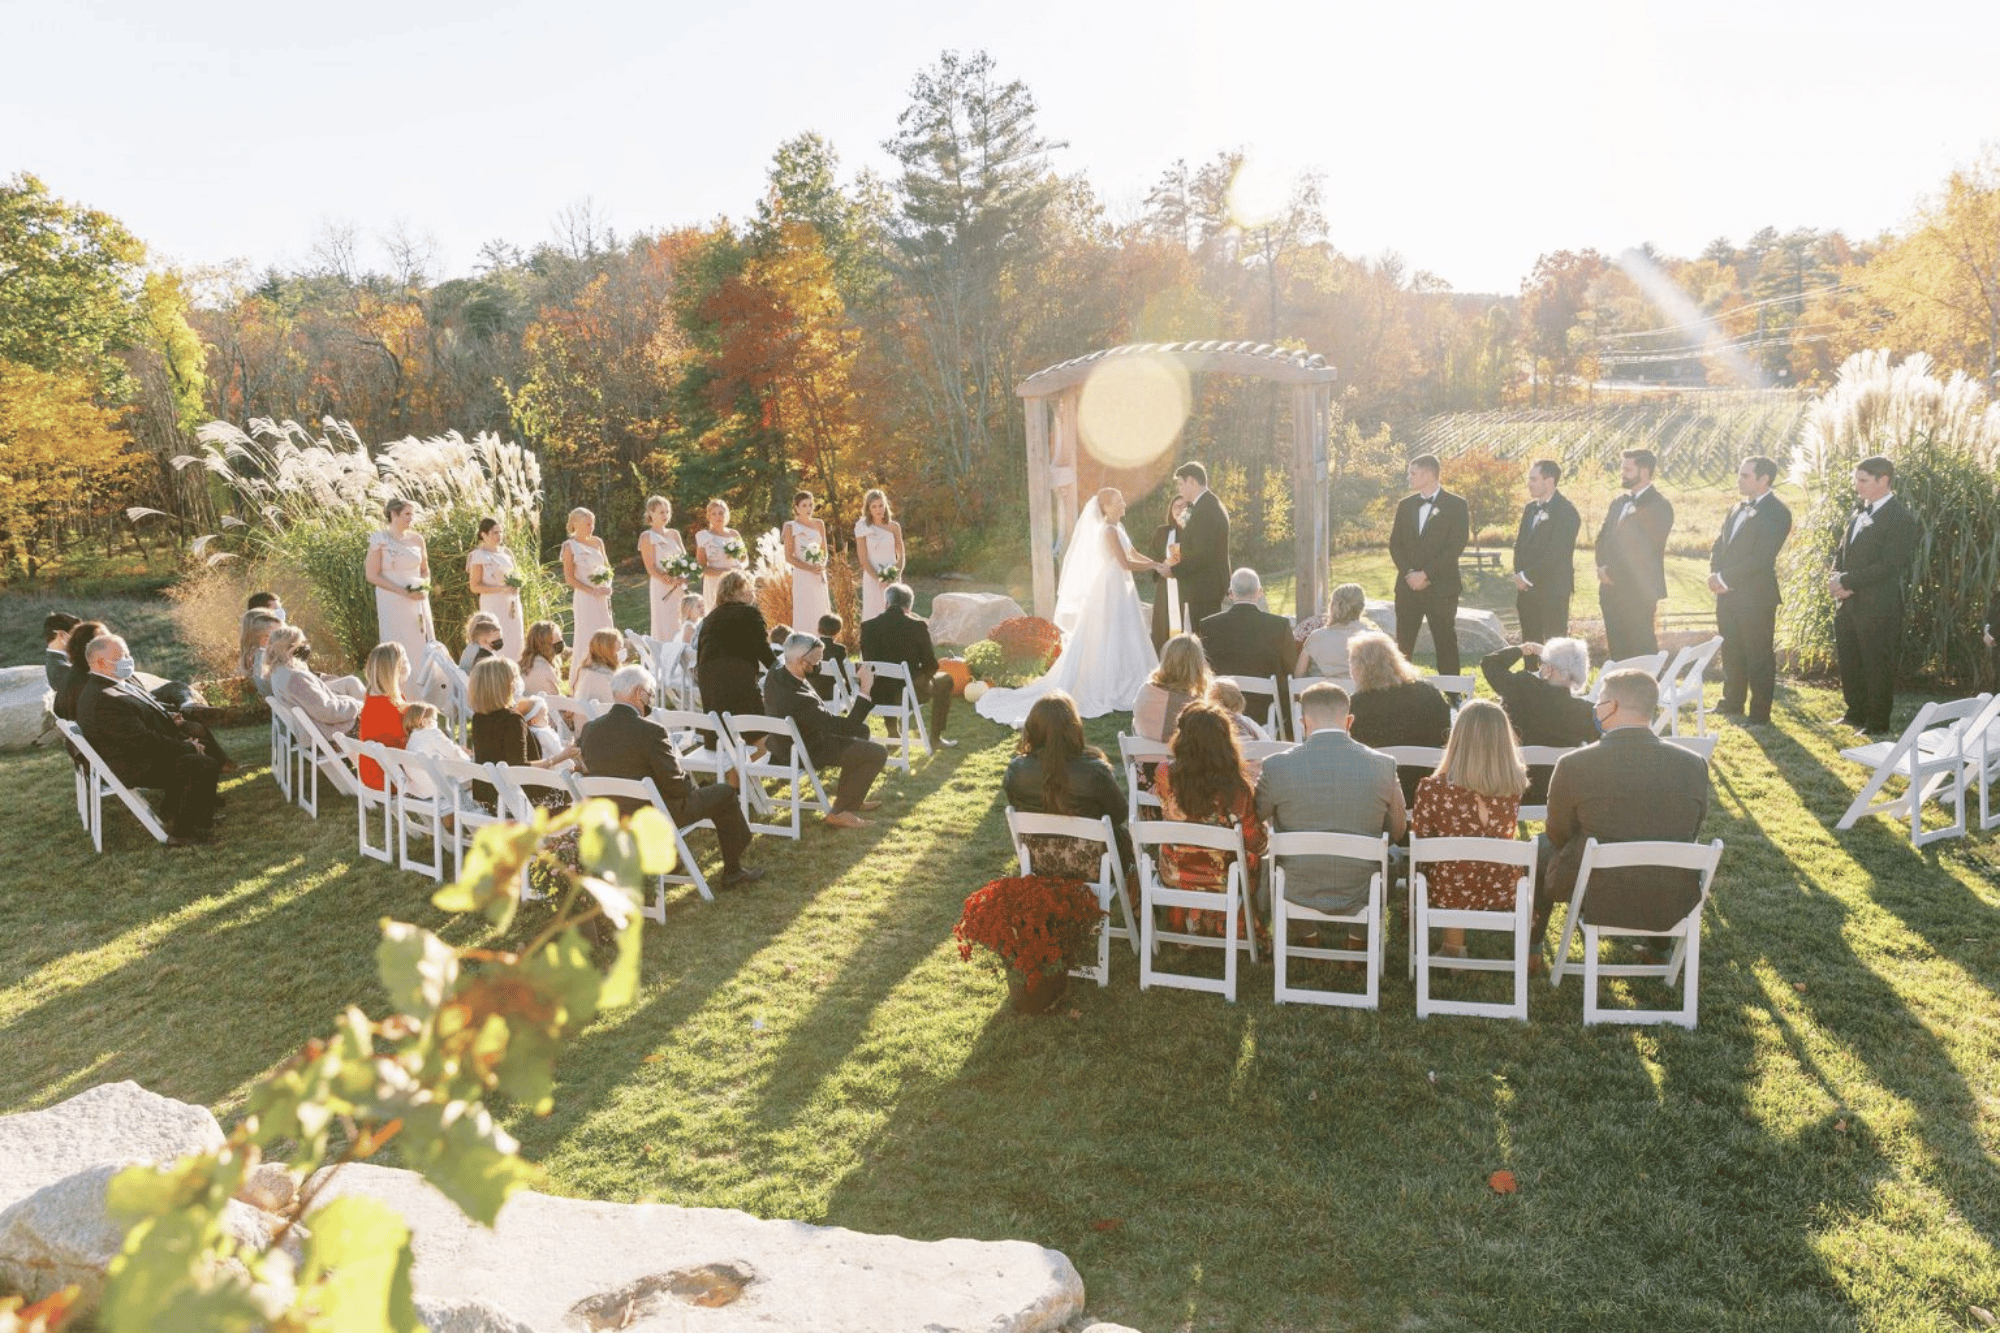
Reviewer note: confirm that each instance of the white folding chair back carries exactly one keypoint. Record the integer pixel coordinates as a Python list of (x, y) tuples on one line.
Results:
[(456, 778), (98, 781), (282, 746), (1700, 745), (1935, 756), (803, 790), (1534, 756), (1148, 836), (1265, 685), (686, 870), (517, 785), (1109, 884), (1515, 921), (1134, 752), (1650, 663), (685, 729), (422, 807), (1681, 687), (570, 716), (316, 755), (1256, 752), (1345, 846), (907, 712), (1455, 688), (1686, 933), (368, 800), (674, 673), (640, 647), (1982, 759)]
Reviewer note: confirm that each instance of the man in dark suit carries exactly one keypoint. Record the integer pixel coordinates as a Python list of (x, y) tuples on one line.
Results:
[(1869, 565), (1743, 575), (832, 741), (898, 636), (625, 743), (1246, 640), (141, 744), (1545, 556), (1631, 786), (1632, 559), (1203, 567), (830, 626), (1425, 541)]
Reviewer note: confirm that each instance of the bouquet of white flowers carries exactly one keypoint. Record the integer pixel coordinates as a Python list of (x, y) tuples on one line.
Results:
[(733, 548), (814, 555), (888, 573), (683, 567), (421, 585), (515, 581), (602, 578)]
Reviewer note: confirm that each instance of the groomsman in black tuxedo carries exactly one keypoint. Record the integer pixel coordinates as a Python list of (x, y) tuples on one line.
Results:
[(1425, 541), (1632, 559), (1203, 567), (1869, 566), (1743, 575), (1545, 556)]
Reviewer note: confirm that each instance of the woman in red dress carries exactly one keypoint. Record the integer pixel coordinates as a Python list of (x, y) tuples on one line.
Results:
[(1475, 793), (1204, 783)]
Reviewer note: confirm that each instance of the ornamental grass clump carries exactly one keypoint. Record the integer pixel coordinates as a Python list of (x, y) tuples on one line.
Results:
[(1035, 925)]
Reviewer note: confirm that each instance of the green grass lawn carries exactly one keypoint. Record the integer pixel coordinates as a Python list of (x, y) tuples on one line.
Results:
[(1819, 1154)]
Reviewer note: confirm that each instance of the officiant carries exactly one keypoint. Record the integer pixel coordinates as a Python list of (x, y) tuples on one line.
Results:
[(1166, 588)]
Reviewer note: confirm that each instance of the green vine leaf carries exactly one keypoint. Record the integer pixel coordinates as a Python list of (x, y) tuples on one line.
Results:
[(356, 1267), (417, 968)]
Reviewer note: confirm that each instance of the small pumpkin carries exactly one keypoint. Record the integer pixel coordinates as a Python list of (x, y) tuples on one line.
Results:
[(960, 673), (976, 691)]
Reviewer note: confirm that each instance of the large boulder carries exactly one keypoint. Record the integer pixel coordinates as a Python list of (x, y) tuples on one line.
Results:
[(553, 1265), (1479, 632), (965, 618), (25, 700)]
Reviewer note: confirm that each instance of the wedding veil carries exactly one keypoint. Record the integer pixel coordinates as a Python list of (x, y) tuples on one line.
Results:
[(1083, 565)]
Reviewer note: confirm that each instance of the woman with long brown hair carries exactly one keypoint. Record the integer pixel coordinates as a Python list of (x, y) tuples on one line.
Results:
[(1054, 772), (1205, 783)]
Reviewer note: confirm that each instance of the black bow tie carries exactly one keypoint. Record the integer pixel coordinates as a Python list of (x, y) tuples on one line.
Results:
[(1864, 508), (1541, 506)]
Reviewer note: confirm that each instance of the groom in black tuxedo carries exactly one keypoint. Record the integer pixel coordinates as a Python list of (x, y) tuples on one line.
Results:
[(1869, 566), (1203, 570), (1743, 575)]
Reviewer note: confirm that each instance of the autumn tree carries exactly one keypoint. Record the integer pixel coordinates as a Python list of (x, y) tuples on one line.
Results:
[(1554, 308), (69, 279), (61, 455), (1939, 284)]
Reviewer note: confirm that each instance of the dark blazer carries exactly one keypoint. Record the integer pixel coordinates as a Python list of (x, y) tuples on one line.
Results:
[(1632, 546), (1542, 713), (1437, 548), (622, 744), (1630, 786), (1875, 562), (1413, 713), (55, 666), (898, 636), (734, 629), (1748, 562), (1545, 552), (1203, 572), (1093, 789), (1244, 641), (134, 736), (825, 733)]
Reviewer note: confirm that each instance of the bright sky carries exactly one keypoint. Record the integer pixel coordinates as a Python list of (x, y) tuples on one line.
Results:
[(1469, 137)]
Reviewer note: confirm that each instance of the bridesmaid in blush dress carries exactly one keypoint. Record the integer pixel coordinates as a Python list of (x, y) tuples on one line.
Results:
[(878, 539), (708, 544), (588, 573), (400, 568), (659, 544), (488, 566), (809, 593)]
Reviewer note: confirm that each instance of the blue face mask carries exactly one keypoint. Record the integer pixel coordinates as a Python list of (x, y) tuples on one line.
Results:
[(279, 612), (1597, 720), (124, 668)]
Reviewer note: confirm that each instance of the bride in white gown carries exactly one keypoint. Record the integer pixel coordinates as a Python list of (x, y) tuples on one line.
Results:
[(1107, 651)]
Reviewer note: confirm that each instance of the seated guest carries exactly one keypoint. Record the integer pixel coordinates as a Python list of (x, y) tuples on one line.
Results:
[(1330, 783), (1543, 698), (55, 647), (1324, 652), (830, 626), (1243, 639), (1227, 695), (898, 635), (381, 721), (179, 701), (1204, 783), (482, 639), (1054, 773), (625, 743), (333, 705), (600, 660), (70, 693), (1475, 793), (734, 649), (422, 735), (692, 608), (1631, 786), (268, 602), (541, 658), (832, 740), (1182, 678), (500, 735), (258, 626), (141, 744), (1391, 706)]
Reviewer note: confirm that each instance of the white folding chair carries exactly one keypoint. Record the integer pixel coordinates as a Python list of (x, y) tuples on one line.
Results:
[(1515, 921), (282, 746), (1256, 752), (316, 755), (517, 785), (1109, 884), (422, 806), (1933, 758), (99, 781), (1148, 836), (1534, 756), (803, 790), (1265, 685), (906, 712), (1686, 933), (686, 730), (1134, 752), (1701, 745), (456, 778), (1681, 687), (367, 799), (1650, 663), (1455, 688), (570, 716), (1982, 760), (645, 789), (640, 647), (840, 677), (1341, 846)]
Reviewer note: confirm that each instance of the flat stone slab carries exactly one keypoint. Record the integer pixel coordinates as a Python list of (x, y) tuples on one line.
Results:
[(1479, 632), (25, 701), (964, 618)]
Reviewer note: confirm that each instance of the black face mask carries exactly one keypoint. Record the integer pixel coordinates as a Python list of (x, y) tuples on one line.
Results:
[(304, 654), (559, 646)]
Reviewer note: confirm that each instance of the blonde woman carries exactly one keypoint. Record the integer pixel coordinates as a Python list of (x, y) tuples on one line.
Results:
[(1183, 678), (482, 640), (500, 734), (878, 540), (659, 545), (803, 534), (710, 548), (600, 659), (488, 566), (1324, 652), (541, 660), (387, 668), (587, 571), (399, 565), (258, 627), (1475, 793), (1391, 705), (334, 704)]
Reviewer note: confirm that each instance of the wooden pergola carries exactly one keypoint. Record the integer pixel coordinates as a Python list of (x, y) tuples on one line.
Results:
[(1051, 397)]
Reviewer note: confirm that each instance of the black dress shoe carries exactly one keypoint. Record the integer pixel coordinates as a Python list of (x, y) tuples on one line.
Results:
[(738, 878), (1724, 710)]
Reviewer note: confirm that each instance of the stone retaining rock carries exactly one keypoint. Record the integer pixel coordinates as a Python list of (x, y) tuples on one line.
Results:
[(964, 618), (25, 700), (1479, 633)]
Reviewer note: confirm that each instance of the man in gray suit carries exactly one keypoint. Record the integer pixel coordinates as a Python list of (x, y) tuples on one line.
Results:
[(1329, 783), (1631, 786)]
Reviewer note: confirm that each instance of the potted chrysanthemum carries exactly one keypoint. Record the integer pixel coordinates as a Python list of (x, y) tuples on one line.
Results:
[(1038, 928)]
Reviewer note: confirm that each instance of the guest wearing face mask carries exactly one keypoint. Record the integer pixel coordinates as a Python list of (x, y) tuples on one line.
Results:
[(333, 704), (142, 745)]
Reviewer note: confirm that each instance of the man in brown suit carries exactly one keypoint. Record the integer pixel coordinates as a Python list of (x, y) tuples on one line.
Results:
[(1631, 786)]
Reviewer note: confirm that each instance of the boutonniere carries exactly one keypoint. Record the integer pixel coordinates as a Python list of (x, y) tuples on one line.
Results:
[(1863, 520)]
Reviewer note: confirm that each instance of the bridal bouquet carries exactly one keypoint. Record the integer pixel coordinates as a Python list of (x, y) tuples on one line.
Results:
[(602, 578), (733, 548), (684, 568)]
